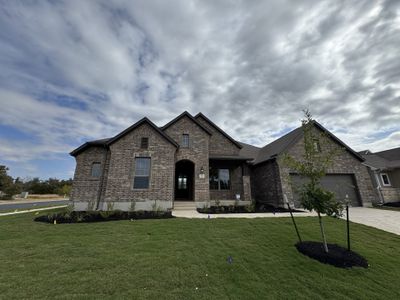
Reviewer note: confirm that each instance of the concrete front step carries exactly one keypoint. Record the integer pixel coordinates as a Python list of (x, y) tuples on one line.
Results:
[(184, 205)]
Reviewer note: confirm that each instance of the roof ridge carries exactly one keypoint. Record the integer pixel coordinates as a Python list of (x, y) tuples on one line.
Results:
[(236, 143), (187, 114)]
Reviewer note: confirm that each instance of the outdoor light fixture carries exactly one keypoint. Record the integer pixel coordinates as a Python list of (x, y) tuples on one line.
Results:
[(201, 174)]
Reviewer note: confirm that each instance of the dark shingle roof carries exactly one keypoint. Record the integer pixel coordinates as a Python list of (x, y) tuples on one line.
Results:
[(391, 154), (109, 141), (248, 150), (278, 146), (388, 159)]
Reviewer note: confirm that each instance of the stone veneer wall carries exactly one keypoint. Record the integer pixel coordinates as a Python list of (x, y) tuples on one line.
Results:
[(344, 163), (85, 188), (219, 144), (119, 182), (197, 153), (265, 183), (390, 194)]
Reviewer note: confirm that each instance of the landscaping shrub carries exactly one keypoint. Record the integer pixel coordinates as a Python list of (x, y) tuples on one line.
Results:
[(101, 216), (243, 209)]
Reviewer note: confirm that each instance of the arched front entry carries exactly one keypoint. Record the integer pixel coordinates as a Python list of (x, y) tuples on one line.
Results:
[(184, 180)]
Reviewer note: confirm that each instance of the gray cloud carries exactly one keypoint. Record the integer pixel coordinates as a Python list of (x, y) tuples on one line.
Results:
[(92, 68)]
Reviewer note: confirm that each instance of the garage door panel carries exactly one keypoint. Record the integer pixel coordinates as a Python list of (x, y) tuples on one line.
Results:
[(340, 184)]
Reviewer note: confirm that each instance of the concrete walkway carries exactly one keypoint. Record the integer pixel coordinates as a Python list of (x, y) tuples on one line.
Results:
[(382, 219), (193, 214), (387, 220)]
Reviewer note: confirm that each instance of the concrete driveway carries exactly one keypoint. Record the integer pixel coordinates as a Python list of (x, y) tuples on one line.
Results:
[(387, 220)]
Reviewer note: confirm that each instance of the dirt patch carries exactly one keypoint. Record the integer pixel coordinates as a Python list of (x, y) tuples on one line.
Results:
[(337, 256)]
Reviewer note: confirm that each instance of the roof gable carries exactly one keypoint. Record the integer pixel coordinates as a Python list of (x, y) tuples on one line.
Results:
[(137, 124), (277, 147), (182, 115), (107, 142), (95, 143), (200, 115)]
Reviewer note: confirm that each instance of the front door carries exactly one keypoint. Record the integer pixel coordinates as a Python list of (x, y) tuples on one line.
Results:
[(184, 180)]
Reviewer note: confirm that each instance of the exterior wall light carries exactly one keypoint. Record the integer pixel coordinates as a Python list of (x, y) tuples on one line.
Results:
[(202, 174)]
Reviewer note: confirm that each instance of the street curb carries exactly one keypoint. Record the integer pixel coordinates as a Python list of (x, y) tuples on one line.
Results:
[(31, 210)]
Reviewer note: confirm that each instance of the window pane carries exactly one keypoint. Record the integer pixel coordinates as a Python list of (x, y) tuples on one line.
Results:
[(385, 179), (224, 181), (213, 179), (142, 166), (185, 140), (182, 182), (141, 182), (96, 169)]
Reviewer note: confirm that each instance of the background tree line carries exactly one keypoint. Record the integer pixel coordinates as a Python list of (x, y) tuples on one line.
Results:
[(10, 186)]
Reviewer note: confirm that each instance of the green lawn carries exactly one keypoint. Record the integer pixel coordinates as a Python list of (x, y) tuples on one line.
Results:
[(187, 259)]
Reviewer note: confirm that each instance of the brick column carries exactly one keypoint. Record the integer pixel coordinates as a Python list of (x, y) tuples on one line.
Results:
[(246, 188)]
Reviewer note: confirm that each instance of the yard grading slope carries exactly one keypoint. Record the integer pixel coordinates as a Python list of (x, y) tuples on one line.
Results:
[(187, 259)]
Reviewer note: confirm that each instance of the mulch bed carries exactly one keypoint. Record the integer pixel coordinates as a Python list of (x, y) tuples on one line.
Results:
[(243, 209), (392, 204), (100, 216), (337, 256)]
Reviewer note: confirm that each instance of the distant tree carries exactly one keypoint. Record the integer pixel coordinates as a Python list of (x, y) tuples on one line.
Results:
[(65, 190), (7, 183), (313, 165)]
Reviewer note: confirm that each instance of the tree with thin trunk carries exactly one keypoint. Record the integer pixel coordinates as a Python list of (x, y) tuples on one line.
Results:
[(317, 158)]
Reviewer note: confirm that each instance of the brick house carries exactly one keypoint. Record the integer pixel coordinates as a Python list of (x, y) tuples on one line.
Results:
[(384, 168), (147, 167)]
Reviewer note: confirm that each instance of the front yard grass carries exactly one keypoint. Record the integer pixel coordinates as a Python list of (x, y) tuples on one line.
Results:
[(187, 259)]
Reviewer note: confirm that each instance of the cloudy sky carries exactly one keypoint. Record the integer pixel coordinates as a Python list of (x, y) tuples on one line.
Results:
[(79, 70)]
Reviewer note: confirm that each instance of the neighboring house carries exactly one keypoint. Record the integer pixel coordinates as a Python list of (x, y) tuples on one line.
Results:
[(146, 167), (385, 173)]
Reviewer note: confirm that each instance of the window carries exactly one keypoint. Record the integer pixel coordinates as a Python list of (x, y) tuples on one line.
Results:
[(142, 173), (96, 169), (317, 146), (144, 143), (182, 182), (185, 140), (219, 179), (385, 179)]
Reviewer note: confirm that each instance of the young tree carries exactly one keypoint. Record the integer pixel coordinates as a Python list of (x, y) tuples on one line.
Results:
[(312, 166)]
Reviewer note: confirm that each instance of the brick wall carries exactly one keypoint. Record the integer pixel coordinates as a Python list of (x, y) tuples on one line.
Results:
[(344, 163), (219, 144), (85, 188), (119, 183), (265, 183), (197, 153)]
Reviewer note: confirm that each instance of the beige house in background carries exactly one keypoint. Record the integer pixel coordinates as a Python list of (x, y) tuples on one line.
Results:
[(385, 173)]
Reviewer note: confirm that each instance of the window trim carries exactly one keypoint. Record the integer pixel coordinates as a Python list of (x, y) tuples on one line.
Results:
[(134, 174), (219, 183), (188, 140), (388, 179), (100, 170)]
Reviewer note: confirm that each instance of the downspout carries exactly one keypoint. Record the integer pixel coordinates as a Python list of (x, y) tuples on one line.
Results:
[(379, 187)]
